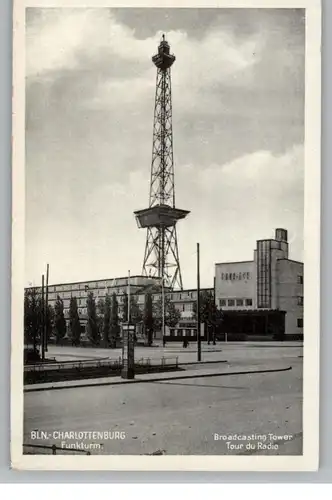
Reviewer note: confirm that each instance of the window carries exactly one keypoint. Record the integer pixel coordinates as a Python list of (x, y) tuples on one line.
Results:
[(231, 302), (300, 301), (239, 302), (264, 291), (300, 322), (300, 279), (222, 302), (248, 302)]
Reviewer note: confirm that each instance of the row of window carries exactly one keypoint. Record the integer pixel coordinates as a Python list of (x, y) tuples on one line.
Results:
[(180, 307), (83, 293), (81, 310), (120, 297), (89, 286), (235, 302), (185, 307), (67, 291), (246, 302), (183, 295)]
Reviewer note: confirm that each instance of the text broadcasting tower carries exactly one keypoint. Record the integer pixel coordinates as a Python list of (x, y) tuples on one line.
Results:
[(161, 257)]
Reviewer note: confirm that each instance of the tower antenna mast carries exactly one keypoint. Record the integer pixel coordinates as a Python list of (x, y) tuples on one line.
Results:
[(161, 256)]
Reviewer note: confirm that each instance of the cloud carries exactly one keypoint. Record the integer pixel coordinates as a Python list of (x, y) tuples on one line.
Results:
[(236, 203), (236, 119), (231, 206), (58, 41)]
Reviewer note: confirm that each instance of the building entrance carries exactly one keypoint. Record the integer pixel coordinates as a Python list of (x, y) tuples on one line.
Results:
[(266, 324)]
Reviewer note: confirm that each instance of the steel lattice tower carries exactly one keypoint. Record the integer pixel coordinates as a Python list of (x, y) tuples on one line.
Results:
[(161, 257)]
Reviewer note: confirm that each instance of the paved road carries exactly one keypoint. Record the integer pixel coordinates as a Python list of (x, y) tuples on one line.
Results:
[(179, 416)]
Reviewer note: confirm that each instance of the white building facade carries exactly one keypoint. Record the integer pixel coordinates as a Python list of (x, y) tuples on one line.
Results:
[(266, 292)]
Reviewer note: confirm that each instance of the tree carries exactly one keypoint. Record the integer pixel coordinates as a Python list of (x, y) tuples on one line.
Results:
[(92, 320), (100, 316), (74, 322), (136, 315), (148, 318), (211, 316), (106, 320), (59, 320), (50, 321), (114, 321), (125, 307), (101, 307), (172, 315), (32, 317), (135, 311)]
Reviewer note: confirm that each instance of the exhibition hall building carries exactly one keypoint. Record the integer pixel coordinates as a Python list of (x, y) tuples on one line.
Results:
[(262, 297)]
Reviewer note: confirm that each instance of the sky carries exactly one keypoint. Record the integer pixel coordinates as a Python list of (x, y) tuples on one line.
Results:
[(238, 127)]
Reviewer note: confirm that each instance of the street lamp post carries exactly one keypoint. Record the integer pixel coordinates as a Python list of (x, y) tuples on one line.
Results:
[(163, 309), (46, 334), (42, 332), (198, 309), (128, 297)]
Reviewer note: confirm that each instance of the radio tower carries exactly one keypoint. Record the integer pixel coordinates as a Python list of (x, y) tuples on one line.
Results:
[(161, 257)]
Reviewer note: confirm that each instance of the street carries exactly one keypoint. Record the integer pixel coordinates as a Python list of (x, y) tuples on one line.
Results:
[(202, 415)]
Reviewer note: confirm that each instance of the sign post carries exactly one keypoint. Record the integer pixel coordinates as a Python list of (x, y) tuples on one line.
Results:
[(163, 309), (128, 355), (198, 313)]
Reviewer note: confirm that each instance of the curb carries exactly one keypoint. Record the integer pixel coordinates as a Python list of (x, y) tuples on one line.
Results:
[(156, 379), (203, 362)]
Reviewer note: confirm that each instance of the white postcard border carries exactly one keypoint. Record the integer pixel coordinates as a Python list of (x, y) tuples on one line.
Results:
[(309, 460)]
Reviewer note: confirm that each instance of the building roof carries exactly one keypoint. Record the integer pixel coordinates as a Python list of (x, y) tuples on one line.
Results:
[(291, 260), (98, 280), (234, 262)]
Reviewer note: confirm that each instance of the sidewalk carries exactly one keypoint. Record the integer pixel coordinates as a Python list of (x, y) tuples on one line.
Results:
[(229, 369)]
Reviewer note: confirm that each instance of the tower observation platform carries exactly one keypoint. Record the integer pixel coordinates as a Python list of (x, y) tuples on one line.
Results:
[(161, 256)]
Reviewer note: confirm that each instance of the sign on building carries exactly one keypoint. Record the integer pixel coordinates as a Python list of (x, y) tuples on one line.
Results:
[(235, 276)]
